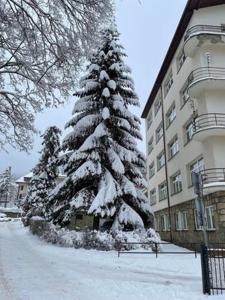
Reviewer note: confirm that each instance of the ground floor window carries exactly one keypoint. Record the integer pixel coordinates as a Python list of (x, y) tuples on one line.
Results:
[(197, 225), (164, 223), (210, 217), (181, 220)]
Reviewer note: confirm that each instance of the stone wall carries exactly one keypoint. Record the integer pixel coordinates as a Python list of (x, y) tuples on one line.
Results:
[(182, 237)]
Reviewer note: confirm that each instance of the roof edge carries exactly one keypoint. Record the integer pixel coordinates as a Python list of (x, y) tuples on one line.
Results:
[(180, 30)]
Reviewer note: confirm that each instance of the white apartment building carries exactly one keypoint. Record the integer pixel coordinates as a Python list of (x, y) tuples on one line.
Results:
[(185, 126)]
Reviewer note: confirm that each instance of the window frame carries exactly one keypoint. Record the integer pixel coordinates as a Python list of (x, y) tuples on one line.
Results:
[(171, 109), (174, 190), (181, 222), (201, 167), (159, 167), (151, 165), (155, 197), (168, 83), (173, 144), (157, 104), (149, 120), (188, 138), (184, 96), (179, 61), (211, 209), (161, 195), (158, 129), (150, 143)]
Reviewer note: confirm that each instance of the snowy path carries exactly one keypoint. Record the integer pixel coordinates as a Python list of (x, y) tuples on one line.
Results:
[(31, 270)]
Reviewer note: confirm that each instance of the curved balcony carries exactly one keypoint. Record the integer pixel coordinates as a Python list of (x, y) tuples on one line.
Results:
[(205, 78), (199, 35), (213, 178), (207, 125)]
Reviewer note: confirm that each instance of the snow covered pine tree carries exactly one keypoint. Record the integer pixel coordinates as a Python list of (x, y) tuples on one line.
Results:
[(44, 176), (104, 169), (7, 187)]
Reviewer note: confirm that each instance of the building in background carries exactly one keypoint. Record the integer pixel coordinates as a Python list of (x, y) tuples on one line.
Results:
[(185, 126), (23, 184)]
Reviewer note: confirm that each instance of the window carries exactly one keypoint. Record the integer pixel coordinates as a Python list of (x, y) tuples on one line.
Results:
[(158, 103), (21, 187), (149, 120), (168, 83), (160, 160), (176, 183), (188, 132), (197, 166), (197, 226), (180, 59), (150, 145), (184, 96), (151, 169), (184, 220), (159, 132), (181, 220), (153, 197), (162, 191), (173, 147), (170, 115), (210, 217), (164, 223)]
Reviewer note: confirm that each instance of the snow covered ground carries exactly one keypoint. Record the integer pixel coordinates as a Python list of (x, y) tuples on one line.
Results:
[(31, 269)]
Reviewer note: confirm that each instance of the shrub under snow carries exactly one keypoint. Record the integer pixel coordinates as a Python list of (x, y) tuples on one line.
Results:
[(93, 239)]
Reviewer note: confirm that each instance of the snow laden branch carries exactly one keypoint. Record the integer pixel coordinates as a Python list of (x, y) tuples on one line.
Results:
[(42, 45)]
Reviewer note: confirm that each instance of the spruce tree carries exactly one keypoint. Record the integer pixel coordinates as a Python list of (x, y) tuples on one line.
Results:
[(103, 165), (7, 187), (45, 174)]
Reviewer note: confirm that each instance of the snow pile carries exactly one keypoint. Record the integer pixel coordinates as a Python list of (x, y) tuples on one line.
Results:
[(93, 239), (10, 210), (4, 218)]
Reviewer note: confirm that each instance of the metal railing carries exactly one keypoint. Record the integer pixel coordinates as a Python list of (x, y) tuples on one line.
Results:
[(207, 29), (208, 121), (212, 176), (206, 73), (213, 269), (156, 248)]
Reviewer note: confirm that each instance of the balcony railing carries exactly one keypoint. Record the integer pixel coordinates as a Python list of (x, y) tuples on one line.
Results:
[(206, 73), (213, 177), (207, 29), (209, 121)]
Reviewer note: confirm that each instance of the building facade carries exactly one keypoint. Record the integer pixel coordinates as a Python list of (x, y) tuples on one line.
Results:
[(23, 184), (185, 126)]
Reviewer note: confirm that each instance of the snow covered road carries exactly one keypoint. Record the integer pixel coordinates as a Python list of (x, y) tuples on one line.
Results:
[(31, 269)]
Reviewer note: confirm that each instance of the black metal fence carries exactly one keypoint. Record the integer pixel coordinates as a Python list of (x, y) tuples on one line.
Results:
[(156, 248), (213, 269)]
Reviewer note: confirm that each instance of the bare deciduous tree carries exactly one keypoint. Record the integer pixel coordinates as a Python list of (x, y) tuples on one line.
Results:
[(42, 46)]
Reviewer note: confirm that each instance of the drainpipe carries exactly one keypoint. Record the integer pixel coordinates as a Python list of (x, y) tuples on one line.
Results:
[(166, 164)]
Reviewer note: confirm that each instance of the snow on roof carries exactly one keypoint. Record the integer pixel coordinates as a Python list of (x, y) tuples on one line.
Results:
[(27, 177), (23, 178)]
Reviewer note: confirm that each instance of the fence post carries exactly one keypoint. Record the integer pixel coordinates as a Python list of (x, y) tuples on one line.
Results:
[(156, 250), (205, 269)]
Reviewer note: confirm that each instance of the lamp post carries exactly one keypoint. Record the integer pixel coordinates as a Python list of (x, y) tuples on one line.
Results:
[(200, 208)]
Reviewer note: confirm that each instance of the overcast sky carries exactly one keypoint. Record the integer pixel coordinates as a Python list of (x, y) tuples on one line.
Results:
[(146, 27)]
